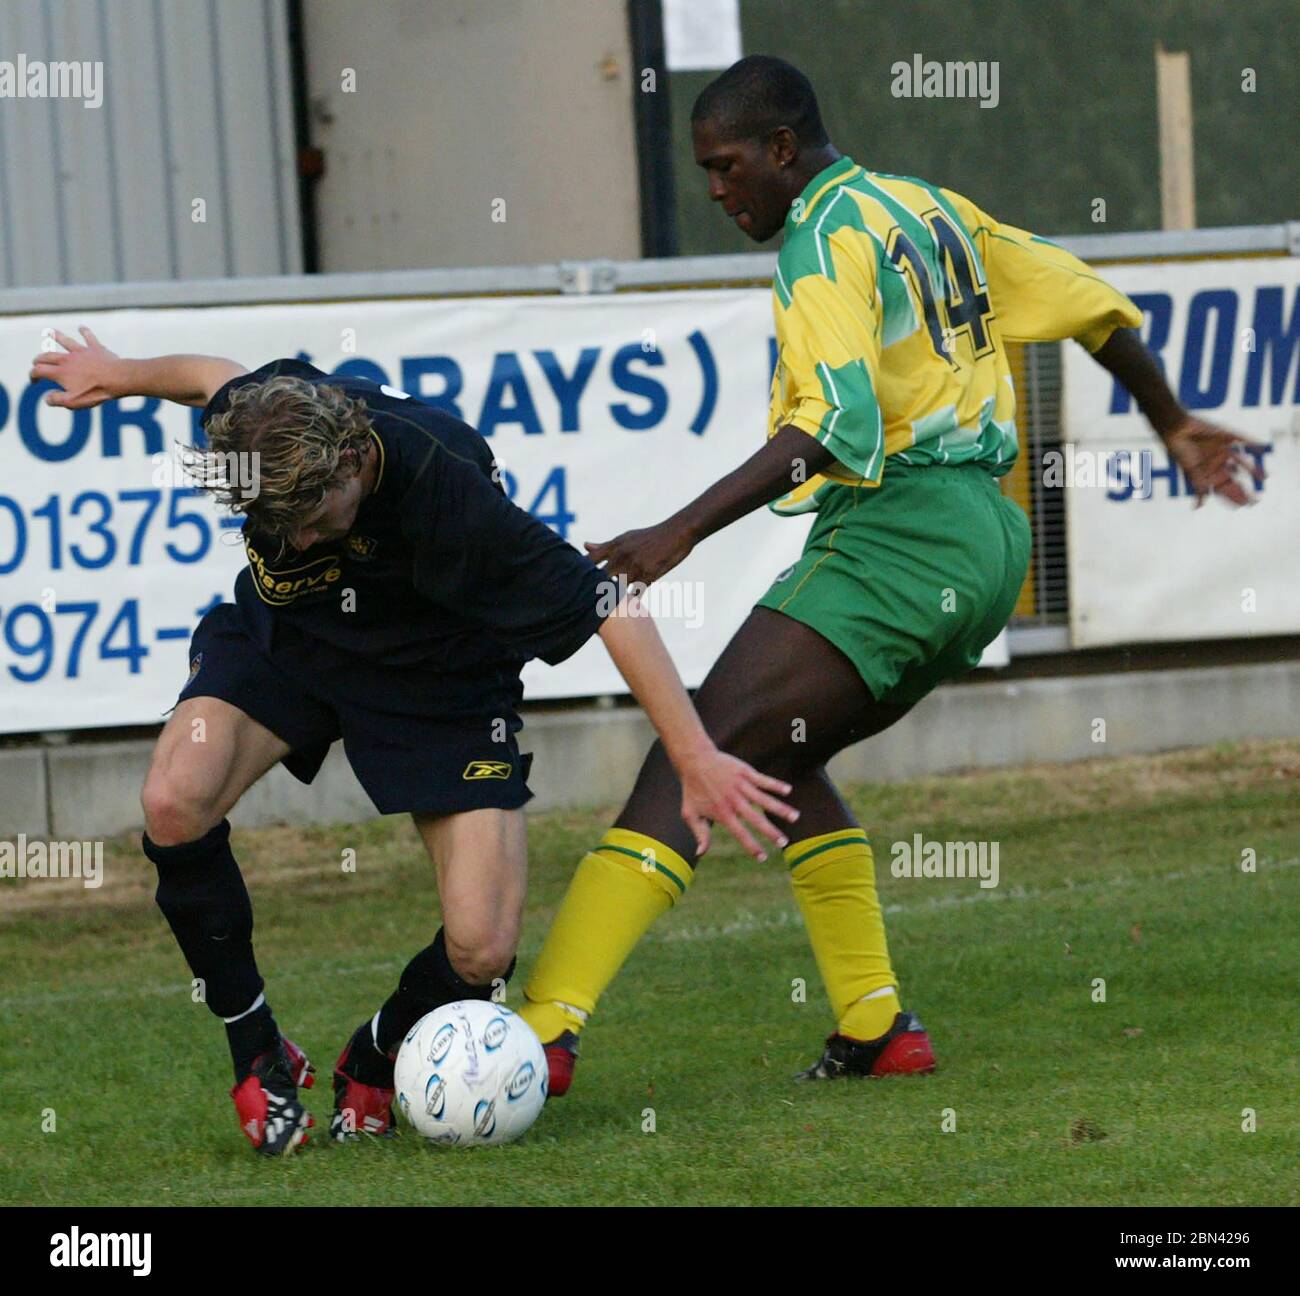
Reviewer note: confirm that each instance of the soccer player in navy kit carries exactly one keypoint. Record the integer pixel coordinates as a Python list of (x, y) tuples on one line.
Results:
[(393, 594)]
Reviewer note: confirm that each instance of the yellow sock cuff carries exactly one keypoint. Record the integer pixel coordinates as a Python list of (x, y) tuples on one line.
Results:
[(550, 1019), (806, 856), (659, 863)]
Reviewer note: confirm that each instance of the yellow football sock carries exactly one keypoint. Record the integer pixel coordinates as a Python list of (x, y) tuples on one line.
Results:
[(620, 888), (834, 879)]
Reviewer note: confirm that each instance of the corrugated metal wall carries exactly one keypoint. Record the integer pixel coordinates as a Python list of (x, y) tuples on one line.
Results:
[(196, 106)]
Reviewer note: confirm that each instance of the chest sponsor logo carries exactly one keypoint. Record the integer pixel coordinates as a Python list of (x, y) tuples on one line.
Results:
[(486, 769), (279, 586)]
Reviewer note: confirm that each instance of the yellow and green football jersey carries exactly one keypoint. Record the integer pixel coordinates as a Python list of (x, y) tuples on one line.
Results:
[(893, 299)]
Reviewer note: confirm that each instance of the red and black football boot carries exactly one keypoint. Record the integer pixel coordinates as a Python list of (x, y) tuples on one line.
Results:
[(266, 1099), (561, 1059), (903, 1050), (363, 1090)]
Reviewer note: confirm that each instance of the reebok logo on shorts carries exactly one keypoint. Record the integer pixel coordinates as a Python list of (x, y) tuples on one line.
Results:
[(195, 666), (486, 769)]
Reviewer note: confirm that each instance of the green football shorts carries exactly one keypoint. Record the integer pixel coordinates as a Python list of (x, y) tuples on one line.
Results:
[(910, 580)]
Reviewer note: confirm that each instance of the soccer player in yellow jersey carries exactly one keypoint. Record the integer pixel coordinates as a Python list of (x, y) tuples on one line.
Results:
[(892, 415)]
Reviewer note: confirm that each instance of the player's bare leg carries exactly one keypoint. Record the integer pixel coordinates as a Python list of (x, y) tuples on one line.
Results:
[(208, 754), (781, 697), (785, 699), (480, 858)]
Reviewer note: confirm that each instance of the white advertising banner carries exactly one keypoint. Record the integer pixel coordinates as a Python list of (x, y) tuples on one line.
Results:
[(1145, 565), (607, 413)]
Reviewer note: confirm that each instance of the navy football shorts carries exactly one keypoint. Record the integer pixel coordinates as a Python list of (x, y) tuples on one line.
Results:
[(405, 731)]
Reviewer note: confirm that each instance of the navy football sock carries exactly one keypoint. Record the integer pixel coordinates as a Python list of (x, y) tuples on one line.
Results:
[(202, 895), (249, 1035), (427, 982)]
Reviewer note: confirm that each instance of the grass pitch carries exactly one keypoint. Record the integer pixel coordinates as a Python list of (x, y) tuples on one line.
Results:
[(1125, 870)]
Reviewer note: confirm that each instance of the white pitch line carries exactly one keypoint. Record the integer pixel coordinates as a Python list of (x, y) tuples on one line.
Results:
[(181, 986), (747, 922)]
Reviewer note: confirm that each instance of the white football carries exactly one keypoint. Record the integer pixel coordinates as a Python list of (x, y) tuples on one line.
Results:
[(471, 1074)]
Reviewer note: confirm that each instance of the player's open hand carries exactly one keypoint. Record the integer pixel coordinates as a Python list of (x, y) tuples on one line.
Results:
[(642, 556), (722, 788), (86, 373), (1211, 457)]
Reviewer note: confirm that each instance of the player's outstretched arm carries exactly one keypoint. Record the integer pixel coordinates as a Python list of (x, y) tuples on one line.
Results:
[(715, 786), (1210, 455), (643, 556), (90, 374)]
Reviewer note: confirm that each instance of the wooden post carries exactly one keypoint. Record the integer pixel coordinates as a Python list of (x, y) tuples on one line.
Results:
[(1177, 164)]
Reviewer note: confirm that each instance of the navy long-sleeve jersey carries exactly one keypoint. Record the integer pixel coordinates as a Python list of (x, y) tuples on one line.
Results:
[(444, 571)]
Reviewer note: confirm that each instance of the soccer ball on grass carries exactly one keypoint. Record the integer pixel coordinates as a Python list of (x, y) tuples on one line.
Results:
[(471, 1074)]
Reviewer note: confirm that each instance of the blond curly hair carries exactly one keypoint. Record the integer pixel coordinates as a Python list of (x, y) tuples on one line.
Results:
[(297, 433)]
